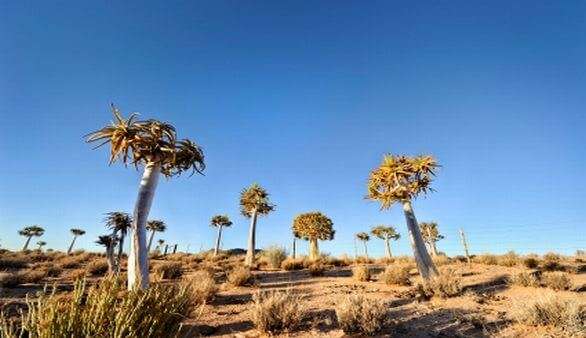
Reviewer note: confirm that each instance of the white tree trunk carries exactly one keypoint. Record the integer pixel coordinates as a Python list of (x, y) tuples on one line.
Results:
[(365, 249), (138, 264), (25, 247), (424, 263), (71, 245), (388, 248), (110, 258), (251, 240), (294, 248), (218, 239), (433, 249), (313, 249), (151, 240)]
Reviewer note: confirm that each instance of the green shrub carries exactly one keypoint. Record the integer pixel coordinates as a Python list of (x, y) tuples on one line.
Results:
[(107, 311), (274, 256), (396, 274), (358, 314), (361, 273), (276, 312)]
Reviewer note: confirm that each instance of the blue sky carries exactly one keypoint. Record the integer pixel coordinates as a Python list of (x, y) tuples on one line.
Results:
[(304, 98)]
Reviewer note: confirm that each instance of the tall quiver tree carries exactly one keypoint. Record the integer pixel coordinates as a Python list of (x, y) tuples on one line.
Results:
[(219, 222), (364, 238), (313, 226), (76, 233), (120, 223), (430, 233), (30, 232), (400, 179), (254, 202), (41, 244), (386, 233), (153, 226), (154, 145)]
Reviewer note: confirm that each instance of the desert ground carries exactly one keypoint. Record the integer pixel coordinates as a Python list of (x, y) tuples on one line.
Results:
[(484, 300)]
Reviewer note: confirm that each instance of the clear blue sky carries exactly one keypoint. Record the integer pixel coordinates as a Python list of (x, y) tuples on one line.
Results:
[(303, 97)]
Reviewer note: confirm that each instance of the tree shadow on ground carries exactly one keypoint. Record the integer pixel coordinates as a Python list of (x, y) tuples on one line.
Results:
[(231, 299), (496, 284), (198, 330)]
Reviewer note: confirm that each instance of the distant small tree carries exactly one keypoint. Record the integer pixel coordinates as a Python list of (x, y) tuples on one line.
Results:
[(76, 233), (30, 232), (386, 233), (313, 226), (153, 226), (109, 242), (120, 223), (430, 233), (364, 238), (254, 202), (160, 243), (41, 244), (400, 179), (219, 222)]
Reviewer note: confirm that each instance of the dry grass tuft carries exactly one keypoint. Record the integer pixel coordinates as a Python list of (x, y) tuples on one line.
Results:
[(567, 315), (510, 259), (97, 268), (317, 269), (358, 314), (525, 278), (168, 270), (361, 273), (31, 276), (9, 279), (447, 284), (397, 274), (531, 262), (487, 259), (556, 280), (240, 276), (440, 260), (77, 274), (13, 263), (290, 264), (551, 262), (276, 312), (274, 256), (202, 286)]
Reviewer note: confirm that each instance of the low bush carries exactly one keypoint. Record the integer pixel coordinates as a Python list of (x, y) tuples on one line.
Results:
[(202, 286), (551, 262), (240, 276), (108, 310), (360, 315), (510, 259), (487, 259), (567, 315), (447, 284), (531, 262), (97, 268), (317, 269), (361, 273), (168, 270), (274, 256), (397, 274), (31, 276), (50, 269), (556, 280), (440, 260), (525, 278), (77, 274), (276, 312), (9, 279), (363, 260), (290, 264), (73, 261)]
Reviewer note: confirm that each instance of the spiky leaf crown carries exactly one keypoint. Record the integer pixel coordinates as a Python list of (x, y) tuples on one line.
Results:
[(77, 232), (430, 232), (313, 225), (401, 178), (363, 236), (150, 141), (32, 230), (385, 232), (118, 221), (254, 198), (220, 220)]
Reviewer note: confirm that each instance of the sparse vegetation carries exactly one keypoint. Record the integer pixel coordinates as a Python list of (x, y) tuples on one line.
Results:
[(531, 262), (358, 314), (203, 287), (290, 264), (567, 315), (168, 270), (274, 256), (447, 284), (361, 273), (396, 274), (276, 312), (525, 279), (317, 269), (240, 276), (556, 280)]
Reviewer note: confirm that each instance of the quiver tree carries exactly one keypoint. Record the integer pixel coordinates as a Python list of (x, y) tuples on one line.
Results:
[(41, 244), (160, 243), (120, 223), (109, 242), (254, 202), (386, 233), (430, 233), (219, 222), (30, 232), (153, 226), (400, 179), (76, 233), (153, 145), (313, 226), (364, 238), (294, 247)]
